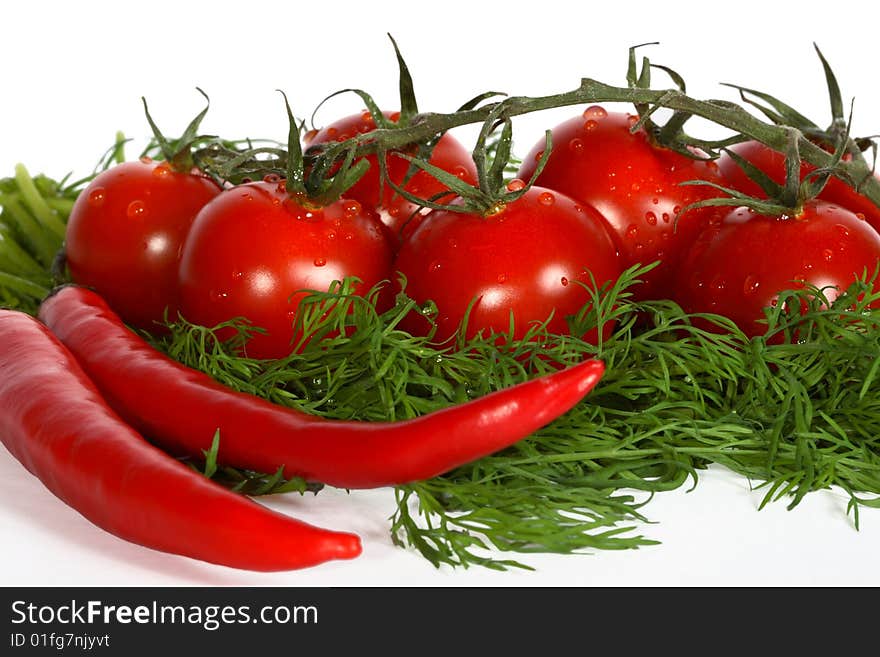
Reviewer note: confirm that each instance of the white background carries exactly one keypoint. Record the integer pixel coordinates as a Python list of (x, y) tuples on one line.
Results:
[(73, 74)]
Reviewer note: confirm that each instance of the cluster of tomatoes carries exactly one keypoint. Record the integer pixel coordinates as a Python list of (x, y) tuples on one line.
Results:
[(155, 241)]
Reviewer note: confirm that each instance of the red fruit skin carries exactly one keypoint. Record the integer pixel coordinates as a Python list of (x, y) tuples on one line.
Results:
[(634, 184), (738, 268), (527, 259), (256, 251), (399, 215), (772, 163), (125, 235)]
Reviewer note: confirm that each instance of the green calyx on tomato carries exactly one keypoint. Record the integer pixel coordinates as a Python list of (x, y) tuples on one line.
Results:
[(748, 165), (127, 228), (391, 170), (178, 152)]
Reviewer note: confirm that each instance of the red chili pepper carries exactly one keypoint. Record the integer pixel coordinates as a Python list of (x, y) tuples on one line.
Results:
[(56, 423), (181, 409)]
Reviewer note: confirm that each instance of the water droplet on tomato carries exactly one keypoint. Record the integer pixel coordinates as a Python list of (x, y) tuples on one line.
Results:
[(842, 230), (590, 125), (460, 171), (576, 145), (366, 117), (546, 198), (595, 112), (807, 265), (718, 284), (97, 196), (246, 196), (320, 262), (136, 210), (515, 185), (331, 234), (827, 255), (237, 275), (434, 266), (632, 231), (394, 211), (640, 246), (861, 216), (635, 187), (162, 170), (539, 155), (665, 217), (218, 295), (271, 178), (676, 209), (651, 218), (502, 279), (564, 281), (146, 159), (712, 165), (655, 201), (751, 285), (332, 132)]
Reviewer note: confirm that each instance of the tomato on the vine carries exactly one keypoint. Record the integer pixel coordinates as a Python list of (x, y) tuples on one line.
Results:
[(125, 234), (255, 250), (532, 259), (397, 213), (772, 163), (634, 184), (738, 268)]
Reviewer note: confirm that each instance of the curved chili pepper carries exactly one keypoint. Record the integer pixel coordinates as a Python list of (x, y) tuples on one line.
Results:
[(55, 422), (182, 408)]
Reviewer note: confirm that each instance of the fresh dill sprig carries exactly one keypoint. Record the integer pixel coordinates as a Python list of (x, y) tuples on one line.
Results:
[(793, 415)]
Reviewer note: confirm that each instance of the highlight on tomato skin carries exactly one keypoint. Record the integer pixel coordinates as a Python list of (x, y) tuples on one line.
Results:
[(738, 269), (634, 184), (535, 259), (256, 250), (125, 233), (399, 215)]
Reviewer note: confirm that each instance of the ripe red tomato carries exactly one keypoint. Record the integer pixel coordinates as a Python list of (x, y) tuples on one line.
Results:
[(254, 249), (393, 209), (738, 268), (125, 234), (527, 259), (634, 184), (772, 163)]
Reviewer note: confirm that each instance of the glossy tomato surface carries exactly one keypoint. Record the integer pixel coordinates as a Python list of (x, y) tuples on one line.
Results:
[(772, 163), (528, 259), (125, 235), (634, 184), (255, 250), (396, 212), (738, 268)]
